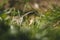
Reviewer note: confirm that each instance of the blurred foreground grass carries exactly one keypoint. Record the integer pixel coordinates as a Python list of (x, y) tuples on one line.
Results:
[(31, 25)]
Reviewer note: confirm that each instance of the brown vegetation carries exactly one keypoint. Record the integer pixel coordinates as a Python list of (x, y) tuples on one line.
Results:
[(19, 4)]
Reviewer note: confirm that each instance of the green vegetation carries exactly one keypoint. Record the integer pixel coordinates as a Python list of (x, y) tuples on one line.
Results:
[(31, 25)]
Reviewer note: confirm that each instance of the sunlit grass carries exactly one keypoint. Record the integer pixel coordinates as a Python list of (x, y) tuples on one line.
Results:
[(36, 24)]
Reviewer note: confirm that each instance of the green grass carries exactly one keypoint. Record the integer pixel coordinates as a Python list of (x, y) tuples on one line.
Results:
[(29, 26)]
